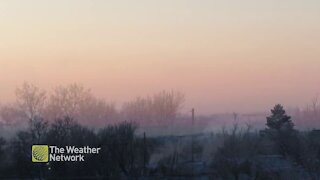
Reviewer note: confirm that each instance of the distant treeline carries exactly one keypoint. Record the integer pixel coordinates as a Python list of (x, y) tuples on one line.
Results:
[(79, 103), (279, 151)]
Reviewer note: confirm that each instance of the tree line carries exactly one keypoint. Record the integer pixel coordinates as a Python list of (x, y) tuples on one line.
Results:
[(230, 154), (79, 103)]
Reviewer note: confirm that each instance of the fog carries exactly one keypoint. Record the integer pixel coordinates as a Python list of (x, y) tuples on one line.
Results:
[(162, 113), (165, 89)]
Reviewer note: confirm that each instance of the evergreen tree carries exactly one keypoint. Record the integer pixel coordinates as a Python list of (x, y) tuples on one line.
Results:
[(280, 130), (279, 120)]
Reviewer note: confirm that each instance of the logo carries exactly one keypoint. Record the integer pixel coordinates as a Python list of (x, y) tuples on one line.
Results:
[(47, 153), (40, 153)]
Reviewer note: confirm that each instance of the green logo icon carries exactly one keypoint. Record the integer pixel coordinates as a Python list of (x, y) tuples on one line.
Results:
[(40, 153)]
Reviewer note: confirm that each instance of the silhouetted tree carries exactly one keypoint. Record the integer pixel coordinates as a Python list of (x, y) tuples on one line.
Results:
[(122, 151), (237, 153), (279, 120), (280, 130), (67, 132), (20, 150)]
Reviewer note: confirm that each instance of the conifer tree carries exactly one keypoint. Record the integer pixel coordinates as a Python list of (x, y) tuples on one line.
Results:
[(279, 120)]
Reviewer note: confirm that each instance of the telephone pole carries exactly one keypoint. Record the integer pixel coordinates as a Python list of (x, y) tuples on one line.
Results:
[(144, 154), (192, 139)]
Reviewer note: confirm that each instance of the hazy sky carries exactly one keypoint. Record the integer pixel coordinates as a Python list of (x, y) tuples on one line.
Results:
[(224, 55)]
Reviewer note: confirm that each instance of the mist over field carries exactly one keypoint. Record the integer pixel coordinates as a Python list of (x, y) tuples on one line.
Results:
[(166, 89), (162, 113), (152, 137)]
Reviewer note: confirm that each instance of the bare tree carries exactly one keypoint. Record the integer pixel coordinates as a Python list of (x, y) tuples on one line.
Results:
[(31, 100), (166, 105), (161, 108), (315, 107), (138, 110), (30, 104), (77, 102), (66, 101), (11, 115)]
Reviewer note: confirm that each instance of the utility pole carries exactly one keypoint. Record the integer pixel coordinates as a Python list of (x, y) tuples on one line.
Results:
[(144, 154), (192, 139)]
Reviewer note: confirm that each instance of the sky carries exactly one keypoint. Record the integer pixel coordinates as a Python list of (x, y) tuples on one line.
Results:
[(226, 56)]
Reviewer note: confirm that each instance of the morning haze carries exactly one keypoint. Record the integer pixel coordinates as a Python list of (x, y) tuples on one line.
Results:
[(160, 89), (225, 56)]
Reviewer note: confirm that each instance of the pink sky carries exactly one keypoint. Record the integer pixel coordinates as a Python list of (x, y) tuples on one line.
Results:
[(225, 56)]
